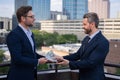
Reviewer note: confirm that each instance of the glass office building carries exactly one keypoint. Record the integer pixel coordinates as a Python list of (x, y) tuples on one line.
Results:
[(75, 9), (19, 3), (41, 8)]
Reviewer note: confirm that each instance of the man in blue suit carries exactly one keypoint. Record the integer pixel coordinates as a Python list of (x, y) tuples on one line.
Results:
[(90, 57), (21, 44)]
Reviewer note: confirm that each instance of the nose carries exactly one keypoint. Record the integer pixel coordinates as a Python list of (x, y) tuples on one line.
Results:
[(34, 19), (82, 26)]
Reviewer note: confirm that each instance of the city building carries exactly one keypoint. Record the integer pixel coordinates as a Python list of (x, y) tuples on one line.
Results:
[(118, 14), (54, 15), (63, 27), (61, 17), (109, 27), (14, 21), (75, 9), (5, 27), (5, 23), (41, 8), (101, 7), (19, 3)]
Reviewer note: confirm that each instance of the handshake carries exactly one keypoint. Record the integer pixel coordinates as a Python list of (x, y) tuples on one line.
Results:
[(52, 58)]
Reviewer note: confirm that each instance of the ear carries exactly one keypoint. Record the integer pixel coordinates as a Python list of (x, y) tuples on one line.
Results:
[(22, 18), (93, 23)]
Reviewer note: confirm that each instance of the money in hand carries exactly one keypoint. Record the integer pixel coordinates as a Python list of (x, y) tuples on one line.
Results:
[(50, 56)]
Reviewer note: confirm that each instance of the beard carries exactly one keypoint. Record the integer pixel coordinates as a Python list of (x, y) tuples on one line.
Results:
[(29, 24), (87, 31)]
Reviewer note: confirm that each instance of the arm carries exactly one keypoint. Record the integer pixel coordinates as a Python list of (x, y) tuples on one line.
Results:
[(96, 57), (75, 56), (39, 56), (14, 44)]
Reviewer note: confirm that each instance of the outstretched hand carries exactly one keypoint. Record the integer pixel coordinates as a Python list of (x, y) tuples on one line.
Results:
[(42, 60), (61, 60)]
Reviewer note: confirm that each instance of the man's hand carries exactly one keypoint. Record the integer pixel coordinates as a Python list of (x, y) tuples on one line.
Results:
[(63, 62), (42, 60), (58, 58)]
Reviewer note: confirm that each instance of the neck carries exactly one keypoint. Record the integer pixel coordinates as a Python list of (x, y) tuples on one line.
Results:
[(26, 27), (93, 31)]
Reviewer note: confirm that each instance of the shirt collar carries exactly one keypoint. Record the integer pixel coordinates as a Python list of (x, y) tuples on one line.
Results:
[(93, 35), (25, 30)]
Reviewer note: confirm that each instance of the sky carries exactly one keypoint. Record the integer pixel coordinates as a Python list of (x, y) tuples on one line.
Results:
[(7, 7)]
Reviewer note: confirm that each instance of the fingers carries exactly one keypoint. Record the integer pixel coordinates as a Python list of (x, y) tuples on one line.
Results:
[(63, 62), (42, 60), (60, 63), (58, 58)]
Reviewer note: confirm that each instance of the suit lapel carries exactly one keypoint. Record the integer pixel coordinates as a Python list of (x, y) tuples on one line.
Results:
[(22, 33), (33, 40), (91, 45)]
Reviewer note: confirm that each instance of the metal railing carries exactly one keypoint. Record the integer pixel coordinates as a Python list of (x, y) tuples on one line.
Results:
[(109, 76), (112, 76)]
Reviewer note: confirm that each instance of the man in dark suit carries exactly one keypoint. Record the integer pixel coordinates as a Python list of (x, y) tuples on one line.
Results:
[(21, 44), (90, 57)]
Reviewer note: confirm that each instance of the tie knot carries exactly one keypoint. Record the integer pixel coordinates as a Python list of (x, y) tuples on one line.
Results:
[(87, 39)]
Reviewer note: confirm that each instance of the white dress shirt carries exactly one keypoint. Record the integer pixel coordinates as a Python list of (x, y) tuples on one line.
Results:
[(93, 35), (29, 35)]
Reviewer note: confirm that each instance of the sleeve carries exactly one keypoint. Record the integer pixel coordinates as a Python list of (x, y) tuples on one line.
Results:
[(15, 48), (39, 56), (96, 57), (74, 56)]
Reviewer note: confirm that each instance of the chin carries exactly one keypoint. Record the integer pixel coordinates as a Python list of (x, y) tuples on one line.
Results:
[(85, 32), (31, 25)]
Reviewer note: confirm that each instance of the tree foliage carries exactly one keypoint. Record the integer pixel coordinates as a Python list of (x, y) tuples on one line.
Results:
[(38, 38), (1, 55), (47, 39)]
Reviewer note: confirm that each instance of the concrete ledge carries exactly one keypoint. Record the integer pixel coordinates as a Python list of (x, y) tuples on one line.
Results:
[(64, 74), (112, 76)]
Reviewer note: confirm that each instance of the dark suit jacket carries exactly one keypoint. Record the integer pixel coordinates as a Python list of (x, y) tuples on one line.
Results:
[(91, 61), (23, 59)]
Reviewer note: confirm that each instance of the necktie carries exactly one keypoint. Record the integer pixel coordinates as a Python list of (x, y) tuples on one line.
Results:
[(87, 39), (85, 42)]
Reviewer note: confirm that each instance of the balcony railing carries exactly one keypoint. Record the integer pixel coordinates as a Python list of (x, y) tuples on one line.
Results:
[(64, 74)]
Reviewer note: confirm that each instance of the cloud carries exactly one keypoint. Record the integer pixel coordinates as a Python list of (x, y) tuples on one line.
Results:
[(115, 4), (114, 9), (6, 10), (56, 5)]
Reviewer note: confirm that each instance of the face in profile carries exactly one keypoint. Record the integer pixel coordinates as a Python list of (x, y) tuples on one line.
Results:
[(86, 26), (29, 19)]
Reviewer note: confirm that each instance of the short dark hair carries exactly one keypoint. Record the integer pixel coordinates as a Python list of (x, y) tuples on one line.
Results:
[(92, 17), (22, 11)]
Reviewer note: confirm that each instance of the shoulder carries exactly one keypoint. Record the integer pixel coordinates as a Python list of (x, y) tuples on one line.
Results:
[(15, 33), (102, 39)]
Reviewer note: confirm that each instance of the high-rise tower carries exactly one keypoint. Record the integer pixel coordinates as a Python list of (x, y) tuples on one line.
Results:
[(75, 9), (101, 7), (19, 3), (41, 8)]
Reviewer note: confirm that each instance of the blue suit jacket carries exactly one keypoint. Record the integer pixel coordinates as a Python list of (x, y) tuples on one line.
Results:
[(23, 59), (91, 61)]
